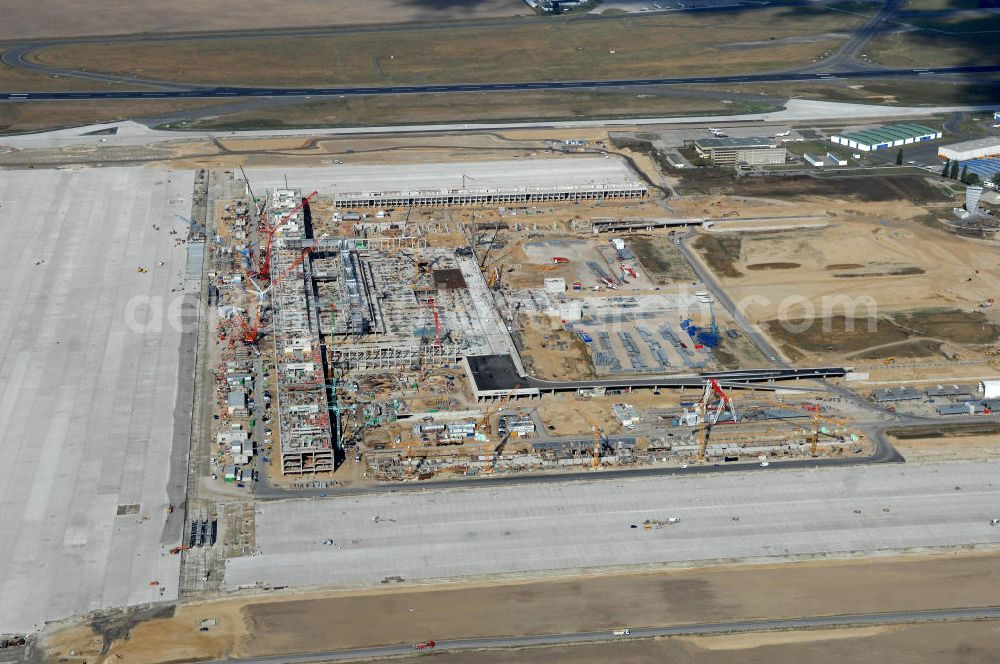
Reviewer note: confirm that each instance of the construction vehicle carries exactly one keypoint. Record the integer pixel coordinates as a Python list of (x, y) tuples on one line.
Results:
[(424, 645), (889, 360), (559, 260)]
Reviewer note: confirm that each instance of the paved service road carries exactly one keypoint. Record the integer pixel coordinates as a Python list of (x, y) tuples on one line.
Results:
[(743, 626), (193, 92)]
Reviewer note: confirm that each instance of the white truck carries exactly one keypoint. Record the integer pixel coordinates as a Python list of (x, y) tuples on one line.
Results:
[(622, 632)]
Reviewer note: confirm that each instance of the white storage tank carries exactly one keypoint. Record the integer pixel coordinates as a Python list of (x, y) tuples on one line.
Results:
[(990, 388)]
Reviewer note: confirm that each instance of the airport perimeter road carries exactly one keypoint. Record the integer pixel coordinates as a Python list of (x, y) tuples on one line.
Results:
[(702, 629), (473, 532), (193, 92)]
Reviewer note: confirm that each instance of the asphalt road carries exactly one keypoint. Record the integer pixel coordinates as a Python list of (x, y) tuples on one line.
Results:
[(223, 92), (770, 353), (876, 25), (743, 626)]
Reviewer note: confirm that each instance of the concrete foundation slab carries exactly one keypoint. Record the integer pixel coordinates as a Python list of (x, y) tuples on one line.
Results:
[(561, 525), (93, 428)]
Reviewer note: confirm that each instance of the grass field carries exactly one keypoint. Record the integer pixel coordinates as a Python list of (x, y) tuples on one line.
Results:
[(19, 80), (472, 107), (721, 252), (56, 18), (903, 92), (938, 5), (530, 51), (915, 188), (19, 117), (856, 334), (940, 42)]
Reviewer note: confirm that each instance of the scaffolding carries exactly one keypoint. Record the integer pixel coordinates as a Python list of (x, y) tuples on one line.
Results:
[(468, 197), (306, 439)]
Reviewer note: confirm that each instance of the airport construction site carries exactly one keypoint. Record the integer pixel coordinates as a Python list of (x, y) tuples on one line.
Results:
[(352, 341), (416, 338)]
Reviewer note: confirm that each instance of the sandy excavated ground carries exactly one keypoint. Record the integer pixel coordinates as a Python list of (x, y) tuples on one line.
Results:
[(876, 257), (319, 621), (816, 256), (53, 18), (956, 448)]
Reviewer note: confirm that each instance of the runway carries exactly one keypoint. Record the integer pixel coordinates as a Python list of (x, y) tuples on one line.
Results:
[(191, 92)]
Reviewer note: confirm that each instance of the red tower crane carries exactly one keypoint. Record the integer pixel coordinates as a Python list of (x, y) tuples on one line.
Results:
[(707, 422), (437, 321), (251, 334), (265, 266)]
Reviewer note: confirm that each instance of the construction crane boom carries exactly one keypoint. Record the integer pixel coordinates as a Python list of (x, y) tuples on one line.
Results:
[(265, 268), (706, 423)]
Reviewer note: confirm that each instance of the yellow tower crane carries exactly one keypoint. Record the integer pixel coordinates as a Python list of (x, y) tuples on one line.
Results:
[(597, 439), (814, 437)]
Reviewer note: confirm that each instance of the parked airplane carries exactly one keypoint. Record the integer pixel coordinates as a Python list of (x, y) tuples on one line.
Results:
[(784, 133), (718, 133)]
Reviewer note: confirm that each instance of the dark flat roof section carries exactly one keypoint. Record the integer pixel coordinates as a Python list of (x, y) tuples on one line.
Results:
[(494, 372), (491, 373)]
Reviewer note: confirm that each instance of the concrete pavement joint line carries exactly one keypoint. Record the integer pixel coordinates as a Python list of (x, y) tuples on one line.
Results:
[(745, 626), (92, 385), (532, 528)]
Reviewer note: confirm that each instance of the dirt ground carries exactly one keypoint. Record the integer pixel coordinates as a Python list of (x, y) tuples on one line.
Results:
[(950, 448), (522, 51), (553, 353), (872, 261), (964, 643), (912, 188), (312, 622), (54, 18)]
